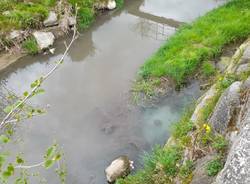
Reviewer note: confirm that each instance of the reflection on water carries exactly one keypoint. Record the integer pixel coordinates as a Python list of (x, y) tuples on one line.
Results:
[(179, 10), (90, 114)]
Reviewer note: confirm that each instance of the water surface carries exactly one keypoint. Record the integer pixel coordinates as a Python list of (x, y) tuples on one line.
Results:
[(90, 114)]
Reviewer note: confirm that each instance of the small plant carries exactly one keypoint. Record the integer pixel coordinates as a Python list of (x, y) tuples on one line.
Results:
[(208, 69), (186, 169), (214, 166), (30, 46), (220, 144), (119, 3)]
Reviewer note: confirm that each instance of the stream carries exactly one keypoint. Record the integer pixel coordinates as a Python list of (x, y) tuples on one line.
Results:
[(90, 113)]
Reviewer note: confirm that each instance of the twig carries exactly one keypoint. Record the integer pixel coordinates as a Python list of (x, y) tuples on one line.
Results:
[(29, 166), (12, 113)]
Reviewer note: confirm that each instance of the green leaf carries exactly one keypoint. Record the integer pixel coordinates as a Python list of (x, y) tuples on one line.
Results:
[(40, 91), (48, 163), (19, 160), (4, 139), (50, 151), (26, 93), (57, 157), (8, 109)]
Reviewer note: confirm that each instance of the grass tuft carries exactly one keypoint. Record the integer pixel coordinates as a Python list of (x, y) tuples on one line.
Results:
[(30, 46)]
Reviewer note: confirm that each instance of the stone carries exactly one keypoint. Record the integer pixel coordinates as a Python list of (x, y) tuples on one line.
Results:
[(246, 54), (44, 39), (237, 166), (202, 102), (246, 84), (226, 108), (199, 174), (111, 4), (71, 21), (51, 20), (15, 34), (119, 168), (243, 68)]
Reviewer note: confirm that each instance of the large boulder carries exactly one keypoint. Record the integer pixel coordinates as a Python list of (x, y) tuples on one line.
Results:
[(51, 20), (44, 39), (226, 108), (237, 166), (119, 168)]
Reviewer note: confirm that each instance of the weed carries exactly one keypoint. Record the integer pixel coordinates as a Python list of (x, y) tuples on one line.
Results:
[(208, 69), (30, 46), (214, 166)]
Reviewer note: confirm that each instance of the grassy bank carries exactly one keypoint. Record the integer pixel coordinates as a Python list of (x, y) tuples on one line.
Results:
[(169, 164), (29, 15), (200, 41)]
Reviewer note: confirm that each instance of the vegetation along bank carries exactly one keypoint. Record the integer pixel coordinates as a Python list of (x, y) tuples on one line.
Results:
[(193, 45), (32, 26), (210, 142)]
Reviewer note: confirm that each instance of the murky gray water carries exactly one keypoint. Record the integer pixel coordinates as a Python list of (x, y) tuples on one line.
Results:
[(90, 114)]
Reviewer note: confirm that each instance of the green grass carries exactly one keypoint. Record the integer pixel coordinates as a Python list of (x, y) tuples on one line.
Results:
[(200, 41), (160, 167), (119, 3), (208, 69), (30, 46), (22, 15)]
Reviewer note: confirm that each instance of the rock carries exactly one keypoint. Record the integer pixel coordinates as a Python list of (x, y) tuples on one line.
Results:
[(111, 4), (71, 21), (6, 13), (246, 55), (51, 20), (226, 108), (119, 168), (243, 68), (202, 102), (237, 166), (15, 34), (246, 84), (223, 63), (199, 174), (44, 39)]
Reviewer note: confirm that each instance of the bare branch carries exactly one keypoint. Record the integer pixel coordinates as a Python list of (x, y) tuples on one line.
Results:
[(15, 109)]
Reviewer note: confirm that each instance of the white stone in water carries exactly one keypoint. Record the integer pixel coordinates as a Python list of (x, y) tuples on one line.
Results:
[(119, 168), (111, 5), (44, 39)]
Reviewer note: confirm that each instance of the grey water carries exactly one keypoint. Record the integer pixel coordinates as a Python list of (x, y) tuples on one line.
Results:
[(89, 111)]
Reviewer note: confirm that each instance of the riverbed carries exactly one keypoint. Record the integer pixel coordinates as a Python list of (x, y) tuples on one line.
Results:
[(89, 109)]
